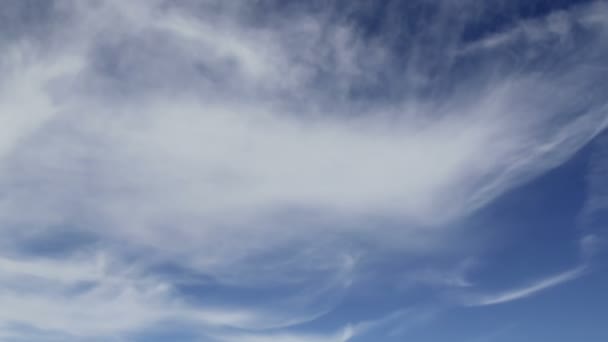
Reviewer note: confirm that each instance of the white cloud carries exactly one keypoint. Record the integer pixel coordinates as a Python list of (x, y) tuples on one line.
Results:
[(227, 148), (391, 324), (528, 290), (91, 296)]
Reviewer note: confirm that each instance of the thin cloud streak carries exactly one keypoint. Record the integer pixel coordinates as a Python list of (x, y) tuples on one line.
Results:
[(528, 290)]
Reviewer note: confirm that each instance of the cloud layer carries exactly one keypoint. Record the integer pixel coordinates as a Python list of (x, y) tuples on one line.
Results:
[(258, 150)]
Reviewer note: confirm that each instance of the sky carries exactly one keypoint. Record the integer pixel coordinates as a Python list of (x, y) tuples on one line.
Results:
[(303, 171)]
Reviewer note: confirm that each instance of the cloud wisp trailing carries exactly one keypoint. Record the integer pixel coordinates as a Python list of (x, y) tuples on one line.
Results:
[(246, 147), (528, 290)]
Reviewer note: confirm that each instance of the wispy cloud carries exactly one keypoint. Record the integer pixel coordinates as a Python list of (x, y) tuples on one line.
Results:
[(527, 290), (261, 152), (393, 324)]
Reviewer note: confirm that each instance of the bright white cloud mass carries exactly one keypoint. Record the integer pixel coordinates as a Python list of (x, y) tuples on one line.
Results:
[(153, 152)]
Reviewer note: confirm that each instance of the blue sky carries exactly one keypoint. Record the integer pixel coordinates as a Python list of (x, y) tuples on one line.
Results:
[(303, 171)]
